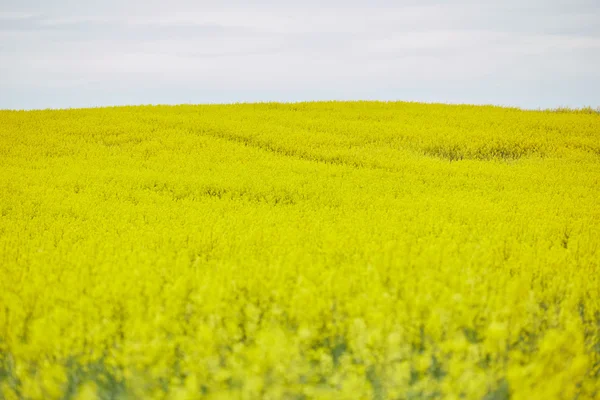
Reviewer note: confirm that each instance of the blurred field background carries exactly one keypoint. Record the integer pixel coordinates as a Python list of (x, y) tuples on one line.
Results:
[(331, 250)]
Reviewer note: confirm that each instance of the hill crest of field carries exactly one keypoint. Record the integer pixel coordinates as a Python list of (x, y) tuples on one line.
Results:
[(305, 130), (308, 250)]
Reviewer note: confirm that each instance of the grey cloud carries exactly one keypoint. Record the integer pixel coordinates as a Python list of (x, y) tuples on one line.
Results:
[(534, 53)]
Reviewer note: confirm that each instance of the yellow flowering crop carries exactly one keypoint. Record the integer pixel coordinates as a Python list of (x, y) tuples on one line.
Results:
[(360, 250)]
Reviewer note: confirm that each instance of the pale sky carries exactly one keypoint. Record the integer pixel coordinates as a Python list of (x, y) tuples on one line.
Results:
[(81, 53)]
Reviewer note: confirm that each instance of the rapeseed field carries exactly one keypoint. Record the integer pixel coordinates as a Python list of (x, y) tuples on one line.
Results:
[(361, 250)]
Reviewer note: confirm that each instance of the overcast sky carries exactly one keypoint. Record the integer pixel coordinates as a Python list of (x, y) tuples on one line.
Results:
[(80, 53)]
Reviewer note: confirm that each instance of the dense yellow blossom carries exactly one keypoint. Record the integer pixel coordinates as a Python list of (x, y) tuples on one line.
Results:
[(327, 250)]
